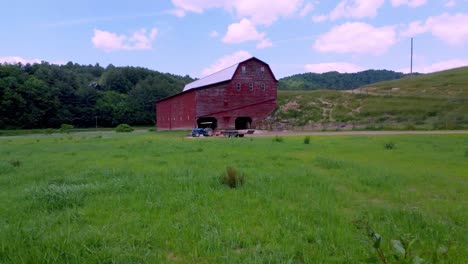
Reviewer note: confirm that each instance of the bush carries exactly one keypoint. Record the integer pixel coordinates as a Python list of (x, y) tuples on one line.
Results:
[(151, 129), (389, 145), (232, 178), (49, 131), (278, 139), (15, 163), (307, 140), (124, 128), (65, 128)]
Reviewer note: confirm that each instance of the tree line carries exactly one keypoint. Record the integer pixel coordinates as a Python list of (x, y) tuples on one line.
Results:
[(336, 80), (46, 95)]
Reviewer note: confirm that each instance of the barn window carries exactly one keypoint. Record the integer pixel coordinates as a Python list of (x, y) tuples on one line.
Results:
[(238, 86), (262, 70), (251, 86), (263, 87), (244, 70)]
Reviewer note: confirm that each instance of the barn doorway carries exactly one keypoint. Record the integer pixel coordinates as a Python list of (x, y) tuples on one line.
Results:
[(243, 122), (204, 122)]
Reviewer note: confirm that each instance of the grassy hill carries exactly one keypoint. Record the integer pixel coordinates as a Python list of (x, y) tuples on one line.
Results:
[(432, 101), (450, 83), (336, 80)]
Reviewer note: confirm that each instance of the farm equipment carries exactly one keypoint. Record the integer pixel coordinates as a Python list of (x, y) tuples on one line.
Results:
[(236, 133), (206, 132)]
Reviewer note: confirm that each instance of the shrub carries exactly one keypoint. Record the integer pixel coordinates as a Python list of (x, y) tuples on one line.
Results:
[(389, 145), (65, 128), (49, 131), (124, 128), (278, 139), (151, 129), (15, 163), (307, 140), (410, 126), (232, 178)]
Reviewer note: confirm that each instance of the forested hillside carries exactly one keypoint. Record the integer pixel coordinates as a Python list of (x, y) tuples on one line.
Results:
[(46, 95), (336, 80)]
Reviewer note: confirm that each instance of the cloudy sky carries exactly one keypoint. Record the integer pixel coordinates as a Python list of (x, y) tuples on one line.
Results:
[(198, 37)]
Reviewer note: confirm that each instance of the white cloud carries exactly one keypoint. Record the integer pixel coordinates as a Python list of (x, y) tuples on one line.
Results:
[(226, 61), (450, 3), (410, 3), (265, 43), (343, 67), (214, 34), (138, 40), (263, 12), (452, 29), (438, 66), (16, 60), (241, 32), (356, 9), (245, 31), (357, 37), (309, 7)]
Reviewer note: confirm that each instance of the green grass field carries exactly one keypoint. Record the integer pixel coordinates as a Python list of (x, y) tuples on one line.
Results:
[(156, 198)]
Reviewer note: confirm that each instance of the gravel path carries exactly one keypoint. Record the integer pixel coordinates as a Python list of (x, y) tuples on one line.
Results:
[(348, 133)]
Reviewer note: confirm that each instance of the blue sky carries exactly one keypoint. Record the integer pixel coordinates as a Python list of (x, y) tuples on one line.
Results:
[(198, 37)]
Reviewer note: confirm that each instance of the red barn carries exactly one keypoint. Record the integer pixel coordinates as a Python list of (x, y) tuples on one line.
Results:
[(234, 98)]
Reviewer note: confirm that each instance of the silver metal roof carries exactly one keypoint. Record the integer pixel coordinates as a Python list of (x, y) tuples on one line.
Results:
[(217, 77)]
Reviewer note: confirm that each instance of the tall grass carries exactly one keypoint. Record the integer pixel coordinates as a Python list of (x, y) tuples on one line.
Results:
[(153, 198)]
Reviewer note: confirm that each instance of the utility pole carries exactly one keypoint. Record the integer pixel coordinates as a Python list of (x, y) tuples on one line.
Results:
[(96, 121), (411, 67)]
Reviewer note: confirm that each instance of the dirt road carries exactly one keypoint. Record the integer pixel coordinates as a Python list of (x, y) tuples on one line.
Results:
[(348, 133)]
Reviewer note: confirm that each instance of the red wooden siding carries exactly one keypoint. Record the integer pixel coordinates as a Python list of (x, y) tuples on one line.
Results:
[(176, 113), (223, 101)]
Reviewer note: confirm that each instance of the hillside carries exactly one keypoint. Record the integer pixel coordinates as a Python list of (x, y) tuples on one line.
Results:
[(336, 80), (432, 101), (450, 83), (46, 95)]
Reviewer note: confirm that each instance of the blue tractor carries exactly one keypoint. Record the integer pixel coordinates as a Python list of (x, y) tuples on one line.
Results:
[(206, 132)]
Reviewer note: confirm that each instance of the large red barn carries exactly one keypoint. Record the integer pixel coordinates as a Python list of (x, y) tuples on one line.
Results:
[(234, 98)]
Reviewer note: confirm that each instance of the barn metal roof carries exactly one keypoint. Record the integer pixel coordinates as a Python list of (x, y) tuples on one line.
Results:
[(217, 77)]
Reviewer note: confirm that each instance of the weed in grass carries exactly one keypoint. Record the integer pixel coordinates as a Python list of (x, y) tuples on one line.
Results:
[(278, 139), (389, 145), (57, 197), (232, 178), (15, 163), (466, 153), (151, 129), (328, 163), (401, 248), (307, 140)]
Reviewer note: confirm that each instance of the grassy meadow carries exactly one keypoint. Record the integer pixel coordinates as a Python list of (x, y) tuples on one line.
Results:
[(157, 198), (424, 102)]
